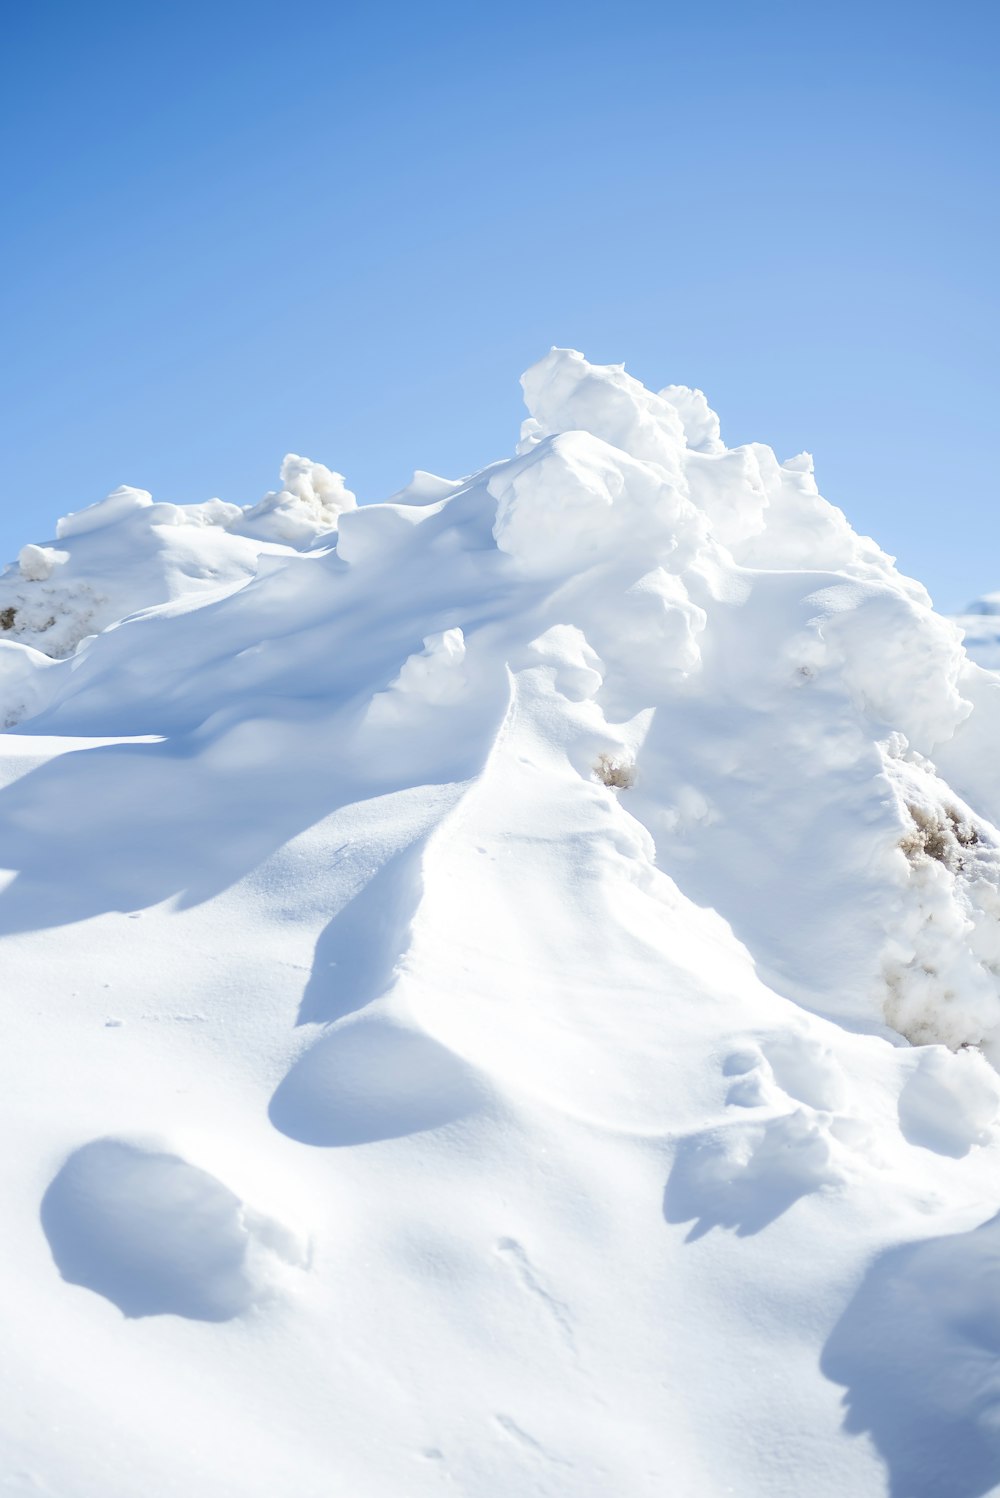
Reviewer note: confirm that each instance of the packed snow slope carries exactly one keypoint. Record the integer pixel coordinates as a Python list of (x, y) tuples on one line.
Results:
[(502, 987)]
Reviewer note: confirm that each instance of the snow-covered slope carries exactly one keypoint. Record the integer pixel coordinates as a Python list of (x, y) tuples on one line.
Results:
[(980, 626), (502, 987)]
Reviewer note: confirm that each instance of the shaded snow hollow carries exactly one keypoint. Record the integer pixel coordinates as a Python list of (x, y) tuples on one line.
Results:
[(504, 986)]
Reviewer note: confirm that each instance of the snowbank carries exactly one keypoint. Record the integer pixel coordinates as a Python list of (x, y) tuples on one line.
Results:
[(569, 897)]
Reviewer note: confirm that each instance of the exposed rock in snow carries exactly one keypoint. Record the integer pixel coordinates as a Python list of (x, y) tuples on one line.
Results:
[(570, 897)]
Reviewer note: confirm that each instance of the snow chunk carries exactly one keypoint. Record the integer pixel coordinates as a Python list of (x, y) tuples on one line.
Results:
[(435, 675), (36, 563), (564, 393), (210, 512), (801, 530), (729, 488), (577, 669), (700, 423), (308, 505), (650, 632), (901, 661), (565, 504), (949, 1101)]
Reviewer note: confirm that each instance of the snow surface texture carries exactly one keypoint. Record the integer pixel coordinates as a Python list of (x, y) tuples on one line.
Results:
[(503, 987)]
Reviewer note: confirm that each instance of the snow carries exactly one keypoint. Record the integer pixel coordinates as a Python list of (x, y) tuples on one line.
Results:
[(503, 986), (981, 630)]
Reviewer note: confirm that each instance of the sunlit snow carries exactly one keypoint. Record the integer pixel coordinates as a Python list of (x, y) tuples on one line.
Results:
[(502, 986)]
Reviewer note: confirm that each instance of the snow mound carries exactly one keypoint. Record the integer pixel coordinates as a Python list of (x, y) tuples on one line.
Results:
[(572, 893), (125, 553)]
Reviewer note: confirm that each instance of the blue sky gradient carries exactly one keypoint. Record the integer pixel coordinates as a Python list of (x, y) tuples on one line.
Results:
[(344, 230)]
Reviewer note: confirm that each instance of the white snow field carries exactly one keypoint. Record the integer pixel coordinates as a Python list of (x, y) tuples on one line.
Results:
[(980, 625), (393, 1108)]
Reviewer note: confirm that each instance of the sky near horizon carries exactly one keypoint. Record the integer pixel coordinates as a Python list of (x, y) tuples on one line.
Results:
[(344, 230)]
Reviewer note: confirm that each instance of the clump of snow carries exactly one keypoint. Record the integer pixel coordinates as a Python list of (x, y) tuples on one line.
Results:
[(577, 669), (901, 662), (37, 563), (313, 865), (949, 1101), (574, 500), (435, 675), (702, 431), (563, 393), (308, 505)]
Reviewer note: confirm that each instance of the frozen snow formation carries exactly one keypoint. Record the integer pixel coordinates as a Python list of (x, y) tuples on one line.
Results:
[(564, 903)]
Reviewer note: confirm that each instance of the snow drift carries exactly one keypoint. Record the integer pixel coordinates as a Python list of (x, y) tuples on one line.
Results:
[(566, 903), (980, 626)]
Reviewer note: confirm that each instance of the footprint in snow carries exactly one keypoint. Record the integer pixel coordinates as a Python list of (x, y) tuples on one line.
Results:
[(157, 1235)]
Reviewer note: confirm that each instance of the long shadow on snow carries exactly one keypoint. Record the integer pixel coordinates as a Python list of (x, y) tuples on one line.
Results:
[(123, 827), (372, 1079), (357, 953), (918, 1350), (151, 1233)]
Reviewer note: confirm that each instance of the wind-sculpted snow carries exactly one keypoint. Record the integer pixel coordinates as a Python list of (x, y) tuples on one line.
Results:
[(565, 902)]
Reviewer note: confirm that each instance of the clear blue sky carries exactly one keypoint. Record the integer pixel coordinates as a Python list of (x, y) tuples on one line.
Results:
[(344, 229)]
